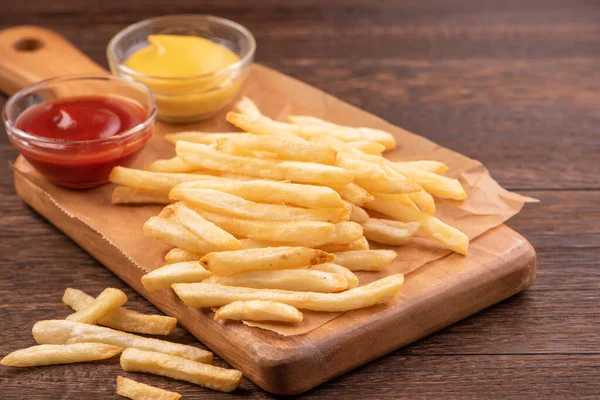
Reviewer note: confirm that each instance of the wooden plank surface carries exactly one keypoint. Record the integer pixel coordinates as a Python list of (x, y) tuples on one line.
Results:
[(512, 83)]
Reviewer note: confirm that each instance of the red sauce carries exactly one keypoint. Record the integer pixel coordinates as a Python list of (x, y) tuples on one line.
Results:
[(70, 160)]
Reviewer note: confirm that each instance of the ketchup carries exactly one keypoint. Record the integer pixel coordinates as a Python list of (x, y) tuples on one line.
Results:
[(85, 138)]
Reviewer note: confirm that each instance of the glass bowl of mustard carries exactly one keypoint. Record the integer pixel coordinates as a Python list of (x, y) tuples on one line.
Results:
[(194, 64)]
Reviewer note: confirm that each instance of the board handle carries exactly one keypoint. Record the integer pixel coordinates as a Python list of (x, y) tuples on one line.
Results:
[(32, 53)]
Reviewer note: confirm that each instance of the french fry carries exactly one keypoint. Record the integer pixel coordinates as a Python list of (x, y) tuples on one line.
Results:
[(175, 234), (304, 172), (205, 375), (199, 137), (206, 230), (358, 244), (351, 278), (365, 260), (374, 178), (434, 167), (139, 391), (174, 164), (391, 232), (210, 295), (49, 354), (263, 191), (260, 125), (148, 180), (128, 195), (247, 107), (178, 255), (262, 259), (436, 185), (370, 134), (183, 272), (258, 310), (424, 201), (300, 280), (109, 300), (284, 231), (65, 332), (228, 204), (355, 194), (345, 232), (287, 148), (357, 214), (447, 235), (366, 146), (123, 319)]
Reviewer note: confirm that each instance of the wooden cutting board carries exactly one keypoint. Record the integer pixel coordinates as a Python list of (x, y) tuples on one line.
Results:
[(501, 263)]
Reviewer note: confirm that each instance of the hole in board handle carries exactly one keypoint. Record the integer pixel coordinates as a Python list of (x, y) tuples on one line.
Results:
[(28, 44)]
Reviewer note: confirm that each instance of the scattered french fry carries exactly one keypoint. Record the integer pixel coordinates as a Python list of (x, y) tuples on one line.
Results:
[(387, 231), (198, 137), (365, 260), (210, 295), (434, 167), (139, 391), (355, 194), (424, 201), (351, 278), (177, 255), (109, 300), (206, 375), (183, 272), (300, 280), (258, 310), (436, 185), (48, 354), (128, 195), (148, 180), (177, 235), (66, 332), (174, 164), (357, 214), (123, 319), (262, 259), (358, 244)]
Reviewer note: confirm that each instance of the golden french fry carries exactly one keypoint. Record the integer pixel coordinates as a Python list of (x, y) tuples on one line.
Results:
[(355, 194), (123, 319), (447, 235), (263, 191), (128, 195), (174, 164), (109, 300), (262, 259), (351, 278), (284, 231), (287, 148), (366, 146), (139, 391), (183, 272), (178, 255), (247, 107), (206, 230), (199, 137), (373, 178), (434, 167), (357, 214), (258, 310), (175, 234), (391, 232), (260, 125), (358, 244), (206, 375), (300, 280), (370, 134), (345, 232), (206, 157), (365, 260), (210, 295), (436, 185), (424, 201), (61, 331), (48, 354), (228, 204), (148, 180)]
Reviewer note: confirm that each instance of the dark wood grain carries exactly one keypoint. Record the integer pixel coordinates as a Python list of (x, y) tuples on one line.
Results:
[(512, 83)]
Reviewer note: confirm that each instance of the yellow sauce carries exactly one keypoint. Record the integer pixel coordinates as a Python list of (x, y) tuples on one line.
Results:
[(182, 71)]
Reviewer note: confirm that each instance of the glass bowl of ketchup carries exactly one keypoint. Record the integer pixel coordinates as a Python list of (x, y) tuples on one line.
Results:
[(75, 129)]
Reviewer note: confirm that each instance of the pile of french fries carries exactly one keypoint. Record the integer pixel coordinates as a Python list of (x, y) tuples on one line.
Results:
[(78, 338), (274, 219)]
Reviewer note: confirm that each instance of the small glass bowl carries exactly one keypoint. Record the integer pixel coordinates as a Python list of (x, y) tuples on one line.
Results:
[(191, 98), (84, 163)]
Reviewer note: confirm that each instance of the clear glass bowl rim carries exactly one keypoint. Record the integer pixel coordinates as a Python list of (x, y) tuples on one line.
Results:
[(11, 128), (245, 59)]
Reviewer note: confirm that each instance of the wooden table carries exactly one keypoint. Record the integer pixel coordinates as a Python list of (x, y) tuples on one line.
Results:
[(514, 84)]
